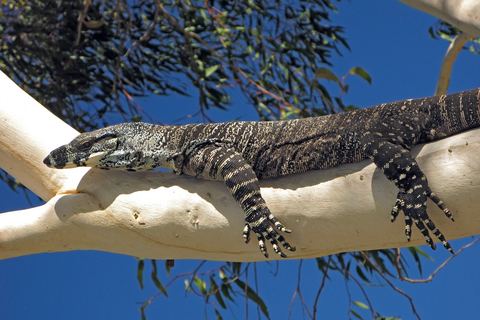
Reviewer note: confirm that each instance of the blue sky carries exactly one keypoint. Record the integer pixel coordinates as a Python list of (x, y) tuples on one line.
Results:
[(391, 42)]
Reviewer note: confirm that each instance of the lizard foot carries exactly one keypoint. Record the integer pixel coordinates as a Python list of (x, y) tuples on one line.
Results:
[(414, 207), (263, 227)]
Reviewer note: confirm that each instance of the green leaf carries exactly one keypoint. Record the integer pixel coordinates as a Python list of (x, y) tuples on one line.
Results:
[(140, 268), (136, 118), (416, 252), (446, 36), (216, 292), (420, 252), (157, 281), (210, 70), (361, 305), (252, 295), (222, 274), (200, 64), (201, 285), (143, 316), (325, 73), (226, 288), (218, 315), (359, 71), (236, 266), (321, 264), (356, 314), (94, 24), (361, 274)]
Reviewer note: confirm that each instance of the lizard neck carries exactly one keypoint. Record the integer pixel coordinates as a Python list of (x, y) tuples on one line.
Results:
[(161, 145)]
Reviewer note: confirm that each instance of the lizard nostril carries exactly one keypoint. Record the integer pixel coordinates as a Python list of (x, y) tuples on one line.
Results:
[(46, 161)]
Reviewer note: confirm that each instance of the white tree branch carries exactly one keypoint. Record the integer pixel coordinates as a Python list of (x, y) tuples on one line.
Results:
[(450, 56), (160, 215), (463, 14), (28, 132)]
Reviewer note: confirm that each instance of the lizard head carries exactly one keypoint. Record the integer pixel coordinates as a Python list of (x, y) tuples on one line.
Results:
[(112, 147)]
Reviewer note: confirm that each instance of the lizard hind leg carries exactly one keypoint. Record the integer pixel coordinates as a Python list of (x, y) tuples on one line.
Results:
[(398, 166)]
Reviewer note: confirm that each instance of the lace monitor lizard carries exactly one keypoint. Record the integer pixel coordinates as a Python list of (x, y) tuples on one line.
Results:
[(241, 153)]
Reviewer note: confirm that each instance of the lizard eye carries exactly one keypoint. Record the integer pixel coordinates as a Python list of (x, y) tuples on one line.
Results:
[(85, 145), (103, 139)]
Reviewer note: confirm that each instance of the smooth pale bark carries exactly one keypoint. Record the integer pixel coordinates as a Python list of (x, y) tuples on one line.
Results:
[(160, 215), (463, 14), (28, 132), (453, 50)]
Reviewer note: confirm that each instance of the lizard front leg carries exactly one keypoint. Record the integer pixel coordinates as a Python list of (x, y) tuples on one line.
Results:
[(218, 162), (398, 166)]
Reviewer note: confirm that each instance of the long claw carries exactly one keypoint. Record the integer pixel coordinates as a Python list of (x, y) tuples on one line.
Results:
[(415, 210), (408, 227), (246, 233), (261, 245), (437, 233), (267, 228), (421, 226), (277, 249), (440, 204), (278, 224), (395, 210)]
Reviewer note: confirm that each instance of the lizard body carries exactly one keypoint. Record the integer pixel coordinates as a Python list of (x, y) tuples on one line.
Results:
[(241, 153)]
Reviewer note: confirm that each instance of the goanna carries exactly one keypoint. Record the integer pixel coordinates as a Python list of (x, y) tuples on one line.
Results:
[(241, 153)]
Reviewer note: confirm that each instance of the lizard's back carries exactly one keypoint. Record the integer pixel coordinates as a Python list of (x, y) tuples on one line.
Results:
[(275, 148)]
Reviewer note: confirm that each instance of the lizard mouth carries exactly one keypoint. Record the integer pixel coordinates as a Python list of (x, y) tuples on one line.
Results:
[(94, 158), (50, 162), (62, 158)]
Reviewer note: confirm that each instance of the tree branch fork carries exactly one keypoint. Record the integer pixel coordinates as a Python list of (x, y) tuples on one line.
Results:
[(161, 215)]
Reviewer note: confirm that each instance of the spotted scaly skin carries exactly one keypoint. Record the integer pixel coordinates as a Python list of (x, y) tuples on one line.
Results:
[(241, 153)]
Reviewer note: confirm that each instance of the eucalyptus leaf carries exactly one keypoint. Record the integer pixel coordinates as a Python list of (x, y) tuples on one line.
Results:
[(359, 71)]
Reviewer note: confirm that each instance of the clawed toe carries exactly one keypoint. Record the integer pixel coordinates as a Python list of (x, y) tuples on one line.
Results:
[(415, 210), (440, 204), (246, 233), (278, 224), (261, 245), (268, 229)]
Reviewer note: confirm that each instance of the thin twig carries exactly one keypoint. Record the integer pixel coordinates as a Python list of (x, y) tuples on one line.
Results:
[(365, 295), (437, 270), (298, 292), (292, 300), (320, 289), (148, 33), (255, 273), (246, 293), (81, 20)]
